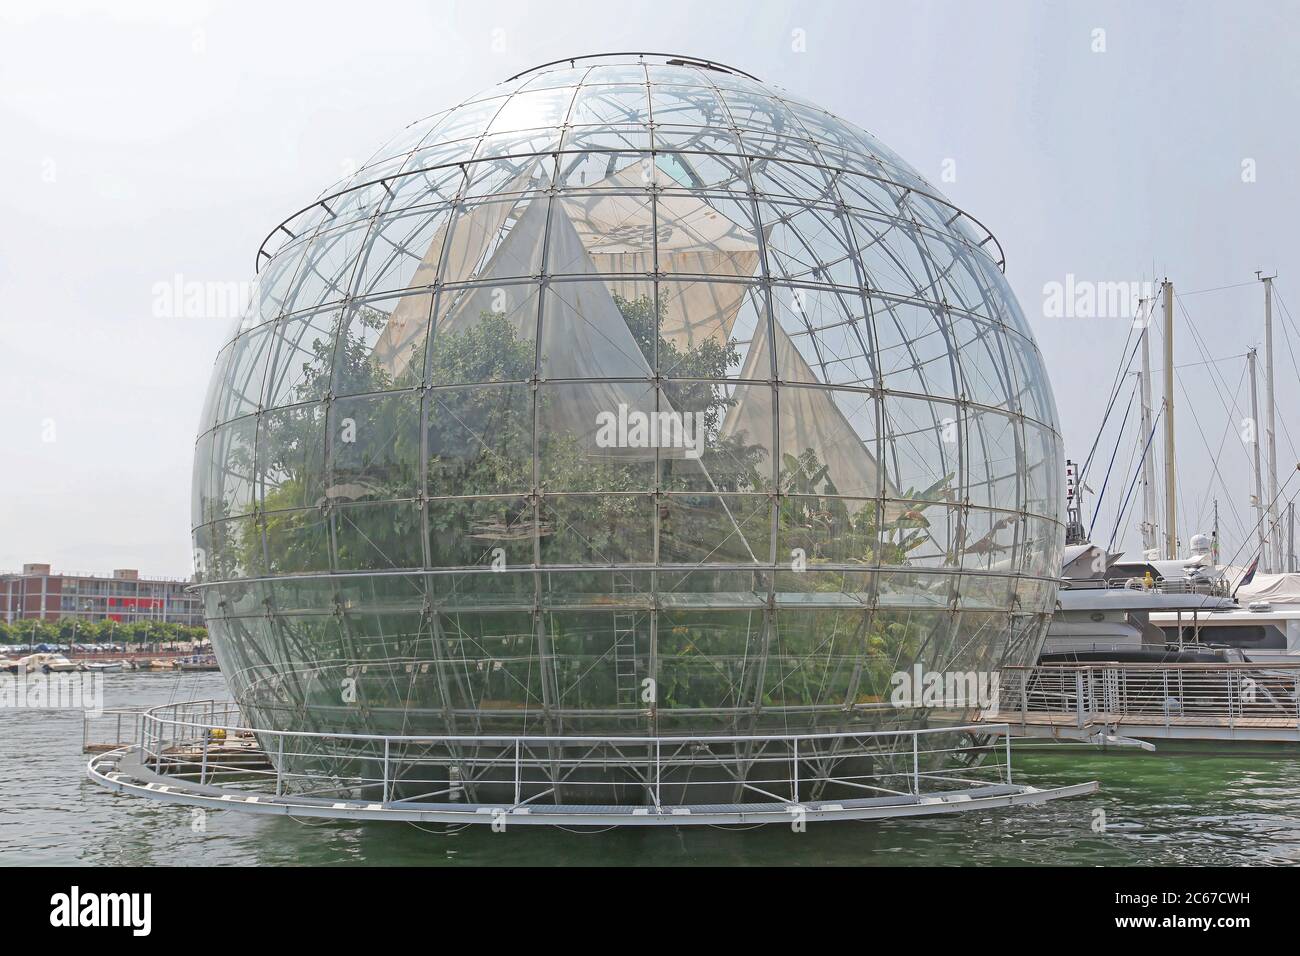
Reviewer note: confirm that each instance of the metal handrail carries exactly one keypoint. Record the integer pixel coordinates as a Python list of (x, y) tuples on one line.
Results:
[(1228, 691), (179, 738), (152, 716)]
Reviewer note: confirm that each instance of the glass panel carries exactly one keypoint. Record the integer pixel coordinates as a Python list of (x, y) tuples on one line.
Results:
[(828, 443), (302, 362), (298, 542), (404, 250), (470, 533), (808, 244), (291, 457), (604, 529), (232, 460), (984, 362), (479, 440), (374, 446), (602, 105), (914, 348), (327, 268), (249, 356), (378, 535), (715, 529), (484, 334), (383, 344)]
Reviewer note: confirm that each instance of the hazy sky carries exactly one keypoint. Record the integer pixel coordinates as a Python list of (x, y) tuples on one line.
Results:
[(146, 141)]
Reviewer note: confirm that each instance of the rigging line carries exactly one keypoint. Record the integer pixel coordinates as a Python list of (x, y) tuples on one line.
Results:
[(1229, 412), (1199, 342), (1115, 388), (1217, 288), (1227, 427), (1220, 389), (1128, 465), (1205, 441), (1155, 424), (1114, 452), (1264, 511), (1114, 394), (1287, 314), (1213, 361)]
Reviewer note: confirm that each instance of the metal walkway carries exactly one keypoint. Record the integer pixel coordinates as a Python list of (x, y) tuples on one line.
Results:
[(1186, 702), (182, 752)]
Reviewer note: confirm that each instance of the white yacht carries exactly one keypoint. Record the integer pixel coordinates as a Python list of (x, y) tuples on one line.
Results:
[(1261, 633), (1108, 610)]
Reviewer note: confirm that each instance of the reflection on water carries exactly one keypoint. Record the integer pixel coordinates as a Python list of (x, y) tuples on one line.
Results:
[(1158, 811)]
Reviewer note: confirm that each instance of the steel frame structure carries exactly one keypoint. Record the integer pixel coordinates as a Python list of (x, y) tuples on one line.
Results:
[(457, 568)]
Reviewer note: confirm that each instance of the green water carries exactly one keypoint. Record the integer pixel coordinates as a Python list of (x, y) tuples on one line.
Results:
[(1158, 810)]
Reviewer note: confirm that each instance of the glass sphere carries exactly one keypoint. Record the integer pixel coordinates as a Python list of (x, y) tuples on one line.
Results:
[(631, 396)]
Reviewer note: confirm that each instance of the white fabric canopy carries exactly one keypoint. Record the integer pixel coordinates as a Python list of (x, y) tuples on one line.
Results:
[(584, 335), (1273, 588), (475, 229), (809, 419), (694, 238)]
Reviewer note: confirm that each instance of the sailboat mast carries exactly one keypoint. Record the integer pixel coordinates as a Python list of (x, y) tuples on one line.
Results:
[(1214, 546), (1290, 537), (1149, 538), (1259, 481), (1171, 490), (1275, 543)]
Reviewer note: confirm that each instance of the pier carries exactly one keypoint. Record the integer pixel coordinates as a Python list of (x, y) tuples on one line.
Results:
[(1118, 703)]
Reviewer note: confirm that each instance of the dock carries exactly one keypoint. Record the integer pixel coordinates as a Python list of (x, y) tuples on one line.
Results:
[(1212, 703)]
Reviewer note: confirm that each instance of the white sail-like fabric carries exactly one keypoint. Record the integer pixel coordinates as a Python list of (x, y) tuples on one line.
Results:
[(693, 239), (809, 419), (584, 335), (475, 230)]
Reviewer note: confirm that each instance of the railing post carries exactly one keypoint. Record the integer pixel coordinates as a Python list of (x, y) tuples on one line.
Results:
[(279, 765), (203, 767), (795, 778), (1078, 698), (1008, 756), (658, 771), (518, 769), (385, 785), (1164, 695), (916, 764), (1025, 677)]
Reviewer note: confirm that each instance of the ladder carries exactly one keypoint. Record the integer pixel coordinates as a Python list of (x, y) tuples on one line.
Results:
[(625, 682)]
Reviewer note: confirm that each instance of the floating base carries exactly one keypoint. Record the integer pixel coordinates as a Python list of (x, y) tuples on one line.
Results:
[(124, 771)]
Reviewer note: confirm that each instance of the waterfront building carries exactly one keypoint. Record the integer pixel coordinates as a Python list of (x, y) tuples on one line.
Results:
[(40, 593)]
